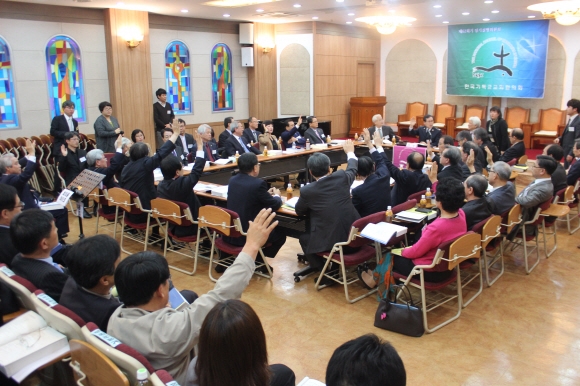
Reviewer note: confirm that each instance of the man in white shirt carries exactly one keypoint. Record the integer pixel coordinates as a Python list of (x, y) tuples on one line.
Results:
[(62, 124)]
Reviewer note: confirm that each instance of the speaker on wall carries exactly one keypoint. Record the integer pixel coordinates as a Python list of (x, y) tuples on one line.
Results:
[(247, 56), (246, 33)]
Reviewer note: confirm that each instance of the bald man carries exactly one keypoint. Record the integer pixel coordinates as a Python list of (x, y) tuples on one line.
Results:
[(517, 149)]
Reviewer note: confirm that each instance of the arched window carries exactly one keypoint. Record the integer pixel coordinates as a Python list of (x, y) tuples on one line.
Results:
[(221, 78), (177, 77), (8, 116), (65, 76)]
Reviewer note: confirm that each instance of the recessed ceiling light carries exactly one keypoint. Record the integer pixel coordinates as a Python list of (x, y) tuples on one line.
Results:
[(437, 6), (495, 11), (120, 4), (259, 10), (488, 1), (349, 22), (351, 14), (297, 6), (445, 22), (184, 11), (486, 19), (438, 15), (314, 17), (392, 10), (531, 17), (340, 1), (226, 15), (465, 13)]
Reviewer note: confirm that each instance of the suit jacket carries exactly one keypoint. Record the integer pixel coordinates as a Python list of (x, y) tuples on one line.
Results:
[(224, 135), (43, 275), (293, 132), (569, 136), (387, 132), (213, 150), (249, 136), (270, 143), (476, 211), (105, 133), (20, 182), (533, 195), (515, 151), (503, 198), (162, 115), (374, 195), (137, 176), (453, 171), (311, 135), (7, 252), (89, 306), (559, 178), (499, 133), (117, 162), (247, 196), (58, 128), (330, 209), (232, 145), (407, 182), (178, 152), (573, 173), (433, 135), (73, 164)]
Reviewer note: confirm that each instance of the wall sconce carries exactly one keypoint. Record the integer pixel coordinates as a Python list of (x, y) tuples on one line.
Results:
[(266, 49), (132, 35), (267, 43)]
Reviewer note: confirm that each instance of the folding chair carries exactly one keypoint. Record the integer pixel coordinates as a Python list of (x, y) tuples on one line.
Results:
[(225, 222), (179, 214), (92, 368), (344, 260), (416, 196), (490, 229), (22, 288), (567, 197), (101, 198), (58, 316), (549, 216)]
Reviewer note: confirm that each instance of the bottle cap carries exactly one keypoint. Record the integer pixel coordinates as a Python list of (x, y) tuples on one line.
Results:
[(389, 207), (428, 189), (423, 196), (142, 374)]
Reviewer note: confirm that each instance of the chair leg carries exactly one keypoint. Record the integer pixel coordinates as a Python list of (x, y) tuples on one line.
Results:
[(211, 258), (480, 290), (554, 234), (526, 254), (97, 215), (146, 241), (123, 233), (488, 265), (323, 270), (459, 305)]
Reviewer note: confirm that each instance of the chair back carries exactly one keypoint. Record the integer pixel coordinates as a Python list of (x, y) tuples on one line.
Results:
[(21, 287), (359, 225), (465, 247), (223, 221), (124, 199), (474, 111), (550, 119), (97, 369), (58, 316), (416, 196), (443, 111), (409, 204), (511, 218), (569, 195), (125, 357), (489, 229), (175, 212), (515, 116), (512, 162), (161, 378), (416, 109), (523, 160)]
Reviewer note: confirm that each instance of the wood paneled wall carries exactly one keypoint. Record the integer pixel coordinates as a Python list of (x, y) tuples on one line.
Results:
[(262, 78), (337, 53), (130, 72)]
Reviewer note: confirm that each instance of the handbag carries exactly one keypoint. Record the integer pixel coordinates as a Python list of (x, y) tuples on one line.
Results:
[(406, 318)]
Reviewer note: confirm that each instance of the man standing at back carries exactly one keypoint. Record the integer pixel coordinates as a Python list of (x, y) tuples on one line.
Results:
[(63, 124), (328, 205), (571, 132), (162, 116), (226, 133)]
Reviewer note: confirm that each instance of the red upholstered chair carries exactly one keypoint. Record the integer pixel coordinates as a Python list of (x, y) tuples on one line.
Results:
[(101, 197), (453, 253), (344, 260), (129, 202), (416, 196), (92, 368), (22, 288), (58, 316), (224, 222), (179, 214), (161, 378), (512, 162)]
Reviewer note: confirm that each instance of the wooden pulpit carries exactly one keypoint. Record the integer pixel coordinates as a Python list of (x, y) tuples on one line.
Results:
[(362, 110)]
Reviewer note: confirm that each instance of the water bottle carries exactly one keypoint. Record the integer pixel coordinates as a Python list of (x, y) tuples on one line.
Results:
[(293, 145), (142, 377)]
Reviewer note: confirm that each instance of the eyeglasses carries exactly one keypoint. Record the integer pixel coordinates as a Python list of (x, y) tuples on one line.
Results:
[(19, 205), (537, 167), (492, 171)]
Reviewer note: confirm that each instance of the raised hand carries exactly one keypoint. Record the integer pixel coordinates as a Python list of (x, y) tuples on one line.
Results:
[(63, 150), (30, 146), (348, 146), (198, 140), (433, 172), (413, 122), (489, 155), (119, 141), (299, 120), (367, 138)]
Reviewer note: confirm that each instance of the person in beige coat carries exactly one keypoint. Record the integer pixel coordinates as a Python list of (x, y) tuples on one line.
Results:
[(268, 140)]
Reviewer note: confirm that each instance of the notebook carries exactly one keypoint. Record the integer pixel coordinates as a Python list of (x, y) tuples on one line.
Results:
[(383, 232)]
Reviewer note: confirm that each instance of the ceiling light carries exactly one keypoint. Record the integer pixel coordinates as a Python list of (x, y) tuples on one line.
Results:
[(314, 17), (495, 11), (297, 6), (349, 22), (351, 14), (531, 17), (235, 3), (259, 10), (120, 4), (445, 22), (465, 13), (340, 1), (386, 24), (226, 15), (565, 12), (486, 19), (488, 1), (438, 15), (393, 11), (437, 6), (184, 11)]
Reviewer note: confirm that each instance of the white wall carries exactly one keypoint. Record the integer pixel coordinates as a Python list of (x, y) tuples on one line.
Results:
[(200, 45), (27, 41)]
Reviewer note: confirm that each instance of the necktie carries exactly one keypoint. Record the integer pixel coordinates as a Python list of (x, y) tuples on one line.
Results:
[(318, 135), (568, 124), (174, 153), (381, 132), (70, 124), (208, 151), (243, 146), (255, 136)]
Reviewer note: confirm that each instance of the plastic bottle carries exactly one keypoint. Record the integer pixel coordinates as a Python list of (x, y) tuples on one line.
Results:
[(307, 144), (356, 136), (423, 202), (328, 139), (389, 214), (428, 195), (294, 145), (394, 140), (289, 191), (433, 201), (237, 155), (142, 377), (265, 152), (301, 186)]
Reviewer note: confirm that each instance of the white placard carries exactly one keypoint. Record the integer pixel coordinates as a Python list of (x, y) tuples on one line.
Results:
[(108, 339), (64, 197)]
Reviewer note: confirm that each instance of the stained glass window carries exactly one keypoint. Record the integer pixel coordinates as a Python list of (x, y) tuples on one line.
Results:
[(221, 78), (65, 76), (8, 116), (177, 77)]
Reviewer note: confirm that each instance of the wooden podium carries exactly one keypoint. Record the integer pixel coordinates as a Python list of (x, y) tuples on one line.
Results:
[(362, 110)]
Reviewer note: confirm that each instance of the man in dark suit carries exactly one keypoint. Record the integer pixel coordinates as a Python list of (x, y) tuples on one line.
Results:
[(558, 177), (163, 115), (97, 162), (503, 194), (443, 141), (72, 162), (407, 181), (224, 135), (10, 206), (251, 134), (571, 131), (374, 195), (177, 187), (328, 205), (291, 134), (209, 148), (178, 151), (379, 126), (451, 162), (12, 174), (482, 139), (236, 142), (34, 234), (61, 125), (517, 149), (314, 134), (92, 263), (478, 207), (466, 149), (427, 132), (247, 196), (574, 171), (185, 140)]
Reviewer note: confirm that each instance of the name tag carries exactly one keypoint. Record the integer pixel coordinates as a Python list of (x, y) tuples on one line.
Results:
[(322, 135), (213, 152), (169, 112), (47, 300), (6, 271), (82, 159), (571, 129), (190, 145), (108, 339), (182, 157), (248, 145)]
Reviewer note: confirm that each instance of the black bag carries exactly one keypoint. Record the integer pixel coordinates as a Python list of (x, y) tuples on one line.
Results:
[(406, 319)]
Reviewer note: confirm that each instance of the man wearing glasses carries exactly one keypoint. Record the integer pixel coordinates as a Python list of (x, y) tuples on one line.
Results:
[(517, 149), (503, 194), (10, 206)]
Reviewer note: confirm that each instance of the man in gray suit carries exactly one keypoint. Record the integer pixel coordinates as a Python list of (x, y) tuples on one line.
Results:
[(314, 134), (503, 194)]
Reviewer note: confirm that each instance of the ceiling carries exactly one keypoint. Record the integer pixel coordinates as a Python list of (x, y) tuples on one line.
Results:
[(332, 11)]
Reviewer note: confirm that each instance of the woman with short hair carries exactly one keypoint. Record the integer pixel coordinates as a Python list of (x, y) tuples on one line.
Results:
[(106, 128)]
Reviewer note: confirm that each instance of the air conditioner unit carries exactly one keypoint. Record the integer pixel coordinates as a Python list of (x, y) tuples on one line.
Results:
[(247, 56), (246, 33)]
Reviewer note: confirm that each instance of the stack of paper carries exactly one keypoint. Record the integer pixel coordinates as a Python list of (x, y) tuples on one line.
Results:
[(383, 232), (220, 191), (310, 382), (199, 187), (411, 216), (157, 175), (292, 202), (222, 161)]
